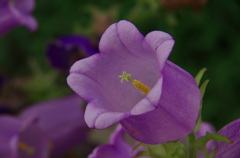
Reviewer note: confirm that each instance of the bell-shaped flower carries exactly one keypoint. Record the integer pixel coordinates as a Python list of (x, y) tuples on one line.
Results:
[(63, 52), (118, 147), (62, 120), (203, 129), (22, 139), (14, 13), (229, 150), (159, 103)]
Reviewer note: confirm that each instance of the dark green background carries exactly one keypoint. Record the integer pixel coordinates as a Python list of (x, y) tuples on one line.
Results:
[(209, 38)]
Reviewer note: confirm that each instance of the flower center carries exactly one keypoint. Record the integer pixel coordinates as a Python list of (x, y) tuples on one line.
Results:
[(26, 148), (137, 84)]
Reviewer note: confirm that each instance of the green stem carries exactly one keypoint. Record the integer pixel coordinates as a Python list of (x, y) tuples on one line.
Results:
[(192, 149)]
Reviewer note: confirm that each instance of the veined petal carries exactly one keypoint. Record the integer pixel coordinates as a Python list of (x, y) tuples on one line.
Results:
[(177, 110)]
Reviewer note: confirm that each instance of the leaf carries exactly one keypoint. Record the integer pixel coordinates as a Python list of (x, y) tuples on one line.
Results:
[(142, 153), (202, 141), (137, 146), (203, 87), (199, 120), (200, 74)]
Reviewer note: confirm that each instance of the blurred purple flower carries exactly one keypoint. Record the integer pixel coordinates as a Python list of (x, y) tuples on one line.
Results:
[(21, 139), (63, 52), (14, 13), (226, 150), (62, 120), (117, 147), (167, 113), (203, 129)]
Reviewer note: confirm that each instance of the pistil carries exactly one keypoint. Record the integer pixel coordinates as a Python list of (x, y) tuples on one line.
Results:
[(137, 84)]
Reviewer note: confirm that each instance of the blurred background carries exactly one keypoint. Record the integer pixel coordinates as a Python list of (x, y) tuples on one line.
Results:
[(206, 34)]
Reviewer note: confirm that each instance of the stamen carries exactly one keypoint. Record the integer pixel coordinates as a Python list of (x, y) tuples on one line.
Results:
[(26, 148), (137, 84)]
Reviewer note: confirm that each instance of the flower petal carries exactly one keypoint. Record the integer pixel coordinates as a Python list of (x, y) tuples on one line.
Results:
[(62, 120), (117, 147), (34, 139), (10, 17), (176, 114), (100, 119), (161, 43), (25, 6), (226, 150), (10, 126)]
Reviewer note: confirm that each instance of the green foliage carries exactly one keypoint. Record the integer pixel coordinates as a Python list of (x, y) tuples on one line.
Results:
[(202, 141)]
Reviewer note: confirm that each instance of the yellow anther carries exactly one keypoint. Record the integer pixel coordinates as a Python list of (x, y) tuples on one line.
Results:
[(142, 87), (26, 148), (137, 84)]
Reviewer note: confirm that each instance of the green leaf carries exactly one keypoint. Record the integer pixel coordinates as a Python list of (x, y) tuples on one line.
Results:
[(202, 141), (199, 120), (200, 74), (137, 146), (142, 153), (203, 87)]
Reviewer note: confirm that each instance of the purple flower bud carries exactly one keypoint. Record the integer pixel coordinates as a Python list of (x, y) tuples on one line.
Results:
[(14, 13), (63, 52), (159, 103)]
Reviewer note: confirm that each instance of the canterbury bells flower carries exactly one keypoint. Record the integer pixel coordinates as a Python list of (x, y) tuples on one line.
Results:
[(131, 82)]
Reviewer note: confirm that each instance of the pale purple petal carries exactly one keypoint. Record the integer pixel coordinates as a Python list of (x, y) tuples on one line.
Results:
[(62, 120), (161, 43), (227, 150)]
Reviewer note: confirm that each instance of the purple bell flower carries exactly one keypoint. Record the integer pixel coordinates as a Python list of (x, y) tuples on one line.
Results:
[(117, 147), (63, 52), (227, 150), (22, 139), (160, 103), (14, 13), (62, 120), (203, 129)]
